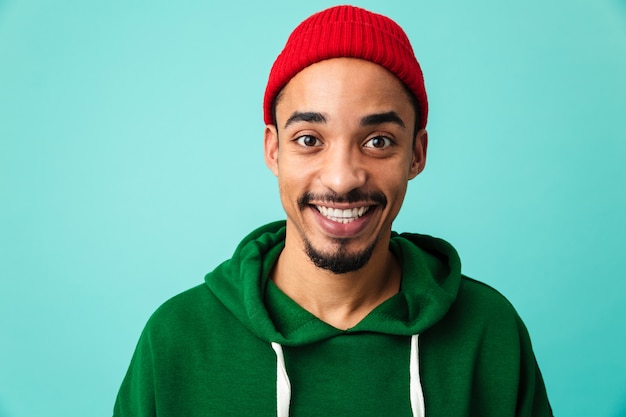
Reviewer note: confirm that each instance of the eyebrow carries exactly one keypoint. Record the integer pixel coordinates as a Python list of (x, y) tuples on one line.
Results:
[(381, 118), (310, 116), (369, 120)]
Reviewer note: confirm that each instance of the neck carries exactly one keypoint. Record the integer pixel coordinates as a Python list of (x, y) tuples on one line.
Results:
[(341, 300)]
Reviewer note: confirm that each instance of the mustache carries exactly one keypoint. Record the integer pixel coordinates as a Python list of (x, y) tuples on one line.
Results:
[(354, 196)]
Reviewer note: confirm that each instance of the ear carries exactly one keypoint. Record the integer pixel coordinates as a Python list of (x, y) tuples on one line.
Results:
[(419, 153), (270, 144)]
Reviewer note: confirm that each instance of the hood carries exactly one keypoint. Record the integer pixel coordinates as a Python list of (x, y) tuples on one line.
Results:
[(431, 275)]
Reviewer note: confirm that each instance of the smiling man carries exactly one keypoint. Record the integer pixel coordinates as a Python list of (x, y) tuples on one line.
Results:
[(343, 146), (330, 313)]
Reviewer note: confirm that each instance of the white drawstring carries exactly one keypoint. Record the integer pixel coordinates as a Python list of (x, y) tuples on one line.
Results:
[(417, 395), (283, 386)]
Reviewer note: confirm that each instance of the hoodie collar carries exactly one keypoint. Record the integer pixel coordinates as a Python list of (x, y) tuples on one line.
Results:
[(430, 281)]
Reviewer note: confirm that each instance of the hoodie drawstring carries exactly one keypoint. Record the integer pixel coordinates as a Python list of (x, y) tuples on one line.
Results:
[(415, 384), (283, 385)]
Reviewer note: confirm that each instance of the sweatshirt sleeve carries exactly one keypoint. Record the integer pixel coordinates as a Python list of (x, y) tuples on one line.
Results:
[(478, 360), (532, 396), (136, 396)]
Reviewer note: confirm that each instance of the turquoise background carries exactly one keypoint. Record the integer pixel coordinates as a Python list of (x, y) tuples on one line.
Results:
[(131, 164)]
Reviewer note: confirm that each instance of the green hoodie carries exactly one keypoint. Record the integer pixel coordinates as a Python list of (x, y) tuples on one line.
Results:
[(444, 345)]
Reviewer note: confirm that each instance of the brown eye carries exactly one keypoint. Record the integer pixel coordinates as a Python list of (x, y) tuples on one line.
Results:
[(308, 141), (378, 142)]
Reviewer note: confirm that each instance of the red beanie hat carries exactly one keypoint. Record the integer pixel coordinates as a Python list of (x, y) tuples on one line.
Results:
[(347, 31)]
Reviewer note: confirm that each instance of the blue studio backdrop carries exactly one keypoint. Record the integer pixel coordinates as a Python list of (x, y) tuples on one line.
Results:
[(131, 164)]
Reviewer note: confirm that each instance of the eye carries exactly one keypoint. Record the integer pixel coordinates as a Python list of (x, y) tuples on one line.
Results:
[(308, 141), (378, 142)]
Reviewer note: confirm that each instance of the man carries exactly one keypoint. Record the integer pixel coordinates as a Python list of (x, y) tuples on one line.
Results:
[(331, 313)]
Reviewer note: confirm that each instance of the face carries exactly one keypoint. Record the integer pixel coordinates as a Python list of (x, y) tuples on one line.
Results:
[(343, 149)]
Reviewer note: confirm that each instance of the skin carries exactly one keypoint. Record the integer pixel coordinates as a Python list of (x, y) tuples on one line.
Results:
[(344, 128)]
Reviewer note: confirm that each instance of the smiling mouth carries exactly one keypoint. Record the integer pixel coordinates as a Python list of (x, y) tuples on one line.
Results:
[(344, 216)]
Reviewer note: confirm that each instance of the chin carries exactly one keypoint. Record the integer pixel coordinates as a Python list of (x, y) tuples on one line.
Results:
[(341, 260)]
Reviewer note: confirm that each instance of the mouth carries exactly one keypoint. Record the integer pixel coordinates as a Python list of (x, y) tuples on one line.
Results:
[(342, 216)]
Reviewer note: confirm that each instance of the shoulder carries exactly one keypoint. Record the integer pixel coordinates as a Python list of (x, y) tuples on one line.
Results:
[(481, 298), (194, 309), (484, 310), (183, 304), (481, 319), (197, 325)]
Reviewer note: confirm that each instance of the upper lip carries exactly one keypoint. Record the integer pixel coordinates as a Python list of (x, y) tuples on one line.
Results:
[(342, 206)]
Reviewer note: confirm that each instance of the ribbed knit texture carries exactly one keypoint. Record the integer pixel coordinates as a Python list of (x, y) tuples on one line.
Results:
[(347, 31)]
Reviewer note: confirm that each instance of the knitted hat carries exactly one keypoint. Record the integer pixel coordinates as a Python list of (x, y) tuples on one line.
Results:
[(347, 31)]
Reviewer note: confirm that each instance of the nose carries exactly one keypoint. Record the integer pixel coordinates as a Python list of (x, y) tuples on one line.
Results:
[(343, 170)]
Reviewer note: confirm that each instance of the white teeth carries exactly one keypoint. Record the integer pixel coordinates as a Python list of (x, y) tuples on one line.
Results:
[(342, 216)]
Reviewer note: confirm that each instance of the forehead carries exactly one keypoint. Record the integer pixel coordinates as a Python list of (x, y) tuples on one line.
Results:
[(344, 85)]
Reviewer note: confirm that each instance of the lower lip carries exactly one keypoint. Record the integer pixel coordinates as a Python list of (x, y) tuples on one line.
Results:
[(343, 230)]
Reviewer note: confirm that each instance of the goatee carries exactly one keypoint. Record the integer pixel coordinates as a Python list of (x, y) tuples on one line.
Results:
[(340, 261)]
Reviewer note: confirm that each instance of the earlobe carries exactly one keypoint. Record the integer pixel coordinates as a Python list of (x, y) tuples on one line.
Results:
[(270, 144), (419, 153)]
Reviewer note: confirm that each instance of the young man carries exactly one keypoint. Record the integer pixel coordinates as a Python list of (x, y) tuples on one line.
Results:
[(331, 313)]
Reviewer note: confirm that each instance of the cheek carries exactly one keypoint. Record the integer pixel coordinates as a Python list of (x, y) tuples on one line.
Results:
[(399, 193), (291, 185), (294, 174), (394, 176), (287, 199), (395, 188)]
